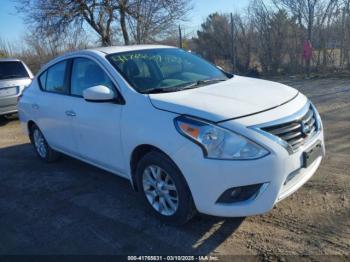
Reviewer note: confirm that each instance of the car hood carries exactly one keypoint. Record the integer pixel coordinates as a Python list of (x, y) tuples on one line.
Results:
[(234, 98)]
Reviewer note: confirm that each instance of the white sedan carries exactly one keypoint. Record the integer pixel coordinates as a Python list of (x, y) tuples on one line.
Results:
[(189, 136)]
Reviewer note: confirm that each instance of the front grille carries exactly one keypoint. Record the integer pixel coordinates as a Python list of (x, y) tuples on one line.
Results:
[(296, 132)]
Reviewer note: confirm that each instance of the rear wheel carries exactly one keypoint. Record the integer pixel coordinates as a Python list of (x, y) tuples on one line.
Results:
[(164, 189), (42, 148)]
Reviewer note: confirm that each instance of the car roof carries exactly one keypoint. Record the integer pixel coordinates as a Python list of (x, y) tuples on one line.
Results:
[(9, 60), (120, 49), (102, 50)]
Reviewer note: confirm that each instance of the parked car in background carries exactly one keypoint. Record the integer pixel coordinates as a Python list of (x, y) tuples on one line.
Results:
[(189, 136), (14, 77)]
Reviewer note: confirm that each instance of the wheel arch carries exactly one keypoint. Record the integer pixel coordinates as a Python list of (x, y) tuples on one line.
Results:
[(136, 155), (30, 125)]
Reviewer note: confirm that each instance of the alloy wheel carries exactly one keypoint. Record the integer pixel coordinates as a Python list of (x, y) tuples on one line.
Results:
[(40, 144), (160, 190)]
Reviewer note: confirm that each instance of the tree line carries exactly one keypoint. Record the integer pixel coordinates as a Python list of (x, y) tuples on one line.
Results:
[(269, 37)]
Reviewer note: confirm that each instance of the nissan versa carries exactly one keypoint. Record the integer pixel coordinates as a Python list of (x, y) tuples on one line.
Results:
[(189, 136)]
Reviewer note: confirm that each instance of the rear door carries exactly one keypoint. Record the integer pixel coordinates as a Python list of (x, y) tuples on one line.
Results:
[(53, 108)]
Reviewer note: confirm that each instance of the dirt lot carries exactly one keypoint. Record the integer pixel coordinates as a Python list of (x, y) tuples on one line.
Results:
[(73, 208)]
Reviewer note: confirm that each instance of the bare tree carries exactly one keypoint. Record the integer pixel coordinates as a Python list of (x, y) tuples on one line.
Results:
[(273, 30), (55, 16), (7, 48), (150, 20), (145, 19), (123, 11), (265, 37), (344, 58), (37, 49), (308, 12), (244, 37), (271, 39)]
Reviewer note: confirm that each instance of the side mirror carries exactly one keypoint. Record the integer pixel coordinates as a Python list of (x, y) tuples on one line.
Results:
[(98, 94)]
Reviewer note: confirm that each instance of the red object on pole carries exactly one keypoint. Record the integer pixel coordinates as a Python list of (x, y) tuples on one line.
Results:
[(307, 54)]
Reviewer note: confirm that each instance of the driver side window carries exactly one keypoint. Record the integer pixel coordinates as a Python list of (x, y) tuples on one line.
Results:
[(85, 74)]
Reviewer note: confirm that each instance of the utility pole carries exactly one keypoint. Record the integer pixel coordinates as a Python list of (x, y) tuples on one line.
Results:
[(233, 59), (180, 37)]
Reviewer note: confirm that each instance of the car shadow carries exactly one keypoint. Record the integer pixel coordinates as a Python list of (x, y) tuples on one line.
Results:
[(4, 120), (69, 207)]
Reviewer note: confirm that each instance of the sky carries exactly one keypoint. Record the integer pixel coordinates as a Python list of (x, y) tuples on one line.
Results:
[(12, 27), (203, 8)]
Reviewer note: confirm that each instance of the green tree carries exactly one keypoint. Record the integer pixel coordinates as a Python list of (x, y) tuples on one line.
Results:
[(213, 39)]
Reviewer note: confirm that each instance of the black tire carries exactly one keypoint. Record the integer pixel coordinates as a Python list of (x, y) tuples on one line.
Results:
[(50, 154), (185, 205), (11, 116)]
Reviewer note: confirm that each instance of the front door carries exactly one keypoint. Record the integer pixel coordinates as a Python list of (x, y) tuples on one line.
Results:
[(96, 125)]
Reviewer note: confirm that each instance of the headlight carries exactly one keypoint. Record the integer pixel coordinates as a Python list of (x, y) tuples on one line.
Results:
[(217, 142)]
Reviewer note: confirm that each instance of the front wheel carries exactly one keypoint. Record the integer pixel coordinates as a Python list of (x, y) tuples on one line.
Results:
[(164, 189), (42, 148)]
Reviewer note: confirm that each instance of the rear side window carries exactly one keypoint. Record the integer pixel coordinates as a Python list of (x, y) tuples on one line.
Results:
[(85, 74), (53, 79), (12, 70)]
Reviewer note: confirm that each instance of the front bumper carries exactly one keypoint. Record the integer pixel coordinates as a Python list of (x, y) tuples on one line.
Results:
[(208, 179)]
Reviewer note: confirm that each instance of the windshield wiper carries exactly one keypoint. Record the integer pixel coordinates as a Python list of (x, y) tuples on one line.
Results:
[(201, 83), (161, 90), (181, 87)]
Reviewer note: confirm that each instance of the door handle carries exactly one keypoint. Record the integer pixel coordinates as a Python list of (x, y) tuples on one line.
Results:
[(70, 113), (35, 106)]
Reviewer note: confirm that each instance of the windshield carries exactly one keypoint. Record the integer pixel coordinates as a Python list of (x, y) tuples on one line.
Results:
[(165, 70), (13, 69)]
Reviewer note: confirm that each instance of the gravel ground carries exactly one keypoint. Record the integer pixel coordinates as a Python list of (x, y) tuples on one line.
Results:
[(73, 208)]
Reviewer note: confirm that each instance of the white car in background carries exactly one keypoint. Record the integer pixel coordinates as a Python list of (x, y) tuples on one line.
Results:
[(14, 77), (187, 135)]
